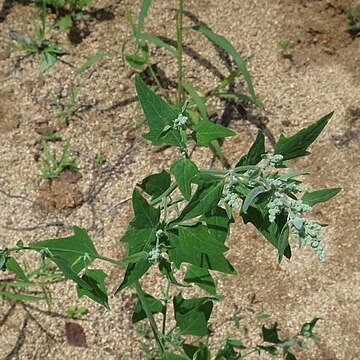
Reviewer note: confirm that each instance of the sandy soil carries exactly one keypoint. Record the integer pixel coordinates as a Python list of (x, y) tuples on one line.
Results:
[(323, 74)]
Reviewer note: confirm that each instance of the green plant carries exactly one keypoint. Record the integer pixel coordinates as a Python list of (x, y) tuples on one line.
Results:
[(51, 136), (51, 167), (353, 17), (37, 44), (76, 312), (182, 217), (286, 46), (68, 12), (100, 159), (66, 110)]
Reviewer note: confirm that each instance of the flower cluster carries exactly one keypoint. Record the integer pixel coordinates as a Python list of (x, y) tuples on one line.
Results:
[(155, 253), (271, 160), (231, 197), (180, 121)]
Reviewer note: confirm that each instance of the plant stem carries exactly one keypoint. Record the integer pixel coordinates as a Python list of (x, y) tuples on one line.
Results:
[(166, 300), (164, 194), (149, 315), (179, 40)]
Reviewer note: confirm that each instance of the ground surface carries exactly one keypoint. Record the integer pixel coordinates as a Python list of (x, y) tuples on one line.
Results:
[(322, 75)]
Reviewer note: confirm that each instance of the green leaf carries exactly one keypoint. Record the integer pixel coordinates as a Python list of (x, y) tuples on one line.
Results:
[(192, 315), (307, 328), (92, 60), (78, 250), (202, 278), (145, 215), (155, 306), (197, 238), (314, 197), (251, 196), (156, 184), (206, 131), (218, 223), (205, 198), (145, 5), (20, 297), (227, 46), (277, 233), (158, 114), (179, 254), (134, 272), (200, 352), (157, 41), (64, 22), (96, 281), (12, 265), (198, 100), (253, 157), (290, 356), (296, 146), (234, 96), (184, 171), (166, 269), (271, 334), (139, 240)]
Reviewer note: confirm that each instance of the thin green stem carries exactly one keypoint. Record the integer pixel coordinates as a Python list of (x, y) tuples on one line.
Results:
[(166, 300), (112, 261), (166, 193), (149, 315), (179, 39)]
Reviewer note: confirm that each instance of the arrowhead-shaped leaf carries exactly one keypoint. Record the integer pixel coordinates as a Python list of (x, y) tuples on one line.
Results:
[(158, 114), (314, 197), (253, 157), (207, 131), (271, 334), (296, 146), (155, 306), (96, 281), (202, 278), (156, 184), (184, 171)]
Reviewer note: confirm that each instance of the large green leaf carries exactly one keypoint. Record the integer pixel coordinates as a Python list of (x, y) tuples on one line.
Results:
[(179, 254), (158, 115), (314, 197), (134, 272), (296, 146), (218, 223), (145, 215), (198, 239), (184, 171), (227, 46), (156, 184), (139, 239), (200, 352), (251, 196), (155, 306), (78, 250), (202, 278), (20, 297), (271, 334), (253, 157), (96, 280), (192, 315), (207, 131), (205, 198)]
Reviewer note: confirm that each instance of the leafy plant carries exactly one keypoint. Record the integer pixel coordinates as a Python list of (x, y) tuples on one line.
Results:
[(68, 12), (76, 312), (182, 218), (286, 46), (100, 159), (38, 44), (353, 17), (66, 110), (51, 167)]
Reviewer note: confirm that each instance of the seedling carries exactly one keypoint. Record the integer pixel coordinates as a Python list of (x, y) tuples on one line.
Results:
[(76, 312), (286, 46), (37, 44), (51, 167), (353, 17), (51, 136), (100, 159), (69, 12), (67, 110)]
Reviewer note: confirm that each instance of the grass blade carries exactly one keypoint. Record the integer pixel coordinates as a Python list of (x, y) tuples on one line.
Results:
[(92, 61), (143, 12)]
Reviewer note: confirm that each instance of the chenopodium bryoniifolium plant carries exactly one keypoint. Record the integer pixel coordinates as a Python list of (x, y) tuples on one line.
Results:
[(182, 216)]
